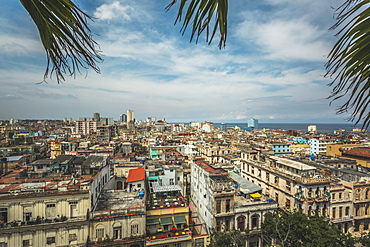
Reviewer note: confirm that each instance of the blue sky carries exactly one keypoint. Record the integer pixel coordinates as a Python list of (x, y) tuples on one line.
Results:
[(271, 69)]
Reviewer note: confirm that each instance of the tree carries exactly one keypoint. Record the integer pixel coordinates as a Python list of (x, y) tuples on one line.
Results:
[(298, 229), (233, 238)]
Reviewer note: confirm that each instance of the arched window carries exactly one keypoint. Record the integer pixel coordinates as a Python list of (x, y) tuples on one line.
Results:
[(358, 194), (367, 194), (241, 223), (100, 232), (117, 230), (324, 211), (310, 193), (119, 185), (134, 228), (255, 221)]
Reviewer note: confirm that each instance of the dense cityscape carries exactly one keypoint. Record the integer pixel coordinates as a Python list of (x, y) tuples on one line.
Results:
[(100, 182)]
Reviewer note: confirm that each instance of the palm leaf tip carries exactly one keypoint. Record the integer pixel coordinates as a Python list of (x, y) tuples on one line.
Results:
[(349, 59), (200, 15), (66, 37)]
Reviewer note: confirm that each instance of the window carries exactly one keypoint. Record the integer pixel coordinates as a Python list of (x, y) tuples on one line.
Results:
[(347, 211), (340, 195), (117, 232), (357, 194), (228, 205), (267, 177), (288, 187), (340, 212), (333, 196), (50, 240), (171, 181), (255, 221), (50, 211), (4, 215), (73, 237), (218, 206), (287, 203), (100, 233), (176, 245), (333, 213), (26, 243), (218, 225), (134, 229), (276, 180)]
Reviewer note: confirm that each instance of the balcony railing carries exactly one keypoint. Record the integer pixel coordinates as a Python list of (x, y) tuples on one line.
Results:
[(342, 219), (168, 237), (18, 223)]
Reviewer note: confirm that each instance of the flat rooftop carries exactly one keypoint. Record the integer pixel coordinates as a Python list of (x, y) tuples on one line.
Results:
[(115, 200), (292, 163)]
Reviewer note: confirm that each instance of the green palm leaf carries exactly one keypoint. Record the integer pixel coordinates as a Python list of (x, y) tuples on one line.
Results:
[(65, 36), (201, 14), (349, 60)]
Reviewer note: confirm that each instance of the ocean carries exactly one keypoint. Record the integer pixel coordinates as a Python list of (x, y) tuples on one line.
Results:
[(321, 127)]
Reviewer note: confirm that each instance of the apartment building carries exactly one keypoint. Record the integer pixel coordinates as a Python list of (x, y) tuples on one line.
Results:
[(86, 127), (318, 146), (47, 212), (167, 222), (250, 208), (118, 219), (290, 183)]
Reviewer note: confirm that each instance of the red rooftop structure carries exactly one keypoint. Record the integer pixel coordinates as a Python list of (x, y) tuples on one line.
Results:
[(135, 175)]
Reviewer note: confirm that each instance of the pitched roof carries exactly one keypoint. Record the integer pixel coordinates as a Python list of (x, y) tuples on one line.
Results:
[(136, 175)]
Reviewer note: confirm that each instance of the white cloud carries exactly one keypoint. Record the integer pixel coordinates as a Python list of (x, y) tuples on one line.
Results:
[(286, 40), (113, 11)]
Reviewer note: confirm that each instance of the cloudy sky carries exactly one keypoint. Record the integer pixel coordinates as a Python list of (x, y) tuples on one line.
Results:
[(271, 69)]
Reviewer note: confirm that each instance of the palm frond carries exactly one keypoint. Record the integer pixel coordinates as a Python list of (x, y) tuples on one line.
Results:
[(349, 60), (65, 35), (201, 14)]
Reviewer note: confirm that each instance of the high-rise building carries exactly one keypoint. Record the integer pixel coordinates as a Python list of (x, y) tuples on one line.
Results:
[(223, 126), (123, 118), (130, 116), (312, 129), (96, 116), (253, 123), (151, 119)]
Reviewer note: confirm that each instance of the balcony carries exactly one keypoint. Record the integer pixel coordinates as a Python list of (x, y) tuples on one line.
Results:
[(342, 219), (41, 224), (169, 237)]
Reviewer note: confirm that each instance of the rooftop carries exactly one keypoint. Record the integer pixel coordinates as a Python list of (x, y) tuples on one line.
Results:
[(245, 185), (134, 175), (118, 200), (292, 163)]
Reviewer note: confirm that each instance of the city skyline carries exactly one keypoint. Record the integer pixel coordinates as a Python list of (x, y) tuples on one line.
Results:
[(271, 69)]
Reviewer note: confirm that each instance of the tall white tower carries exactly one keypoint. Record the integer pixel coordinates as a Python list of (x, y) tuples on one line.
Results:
[(130, 116)]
